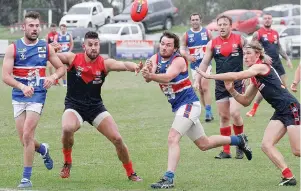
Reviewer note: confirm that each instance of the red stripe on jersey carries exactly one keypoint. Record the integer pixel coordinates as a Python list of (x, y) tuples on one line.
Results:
[(183, 84), (22, 72)]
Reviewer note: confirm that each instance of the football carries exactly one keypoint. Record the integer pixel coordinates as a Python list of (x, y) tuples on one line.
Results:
[(139, 10)]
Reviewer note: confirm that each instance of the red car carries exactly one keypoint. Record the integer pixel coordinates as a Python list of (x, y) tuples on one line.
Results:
[(242, 20)]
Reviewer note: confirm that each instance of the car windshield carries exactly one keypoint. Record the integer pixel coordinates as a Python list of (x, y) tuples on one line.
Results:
[(233, 17), (277, 13), (127, 10), (109, 30), (79, 10)]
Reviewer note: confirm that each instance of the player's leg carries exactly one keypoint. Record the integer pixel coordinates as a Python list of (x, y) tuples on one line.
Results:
[(238, 126), (258, 99), (50, 69), (205, 88), (197, 135), (71, 122), (106, 125), (273, 133), (223, 106)]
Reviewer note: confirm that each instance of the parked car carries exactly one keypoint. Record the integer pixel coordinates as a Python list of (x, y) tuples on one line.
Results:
[(162, 14), (120, 31), (284, 14), (87, 14), (289, 39), (242, 20)]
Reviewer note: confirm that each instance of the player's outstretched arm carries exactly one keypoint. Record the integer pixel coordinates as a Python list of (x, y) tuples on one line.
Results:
[(114, 65), (244, 99), (232, 76), (7, 71), (178, 65)]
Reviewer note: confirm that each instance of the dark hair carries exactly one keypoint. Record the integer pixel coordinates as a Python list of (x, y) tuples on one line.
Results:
[(53, 25), (194, 14), (63, 25), (267, 14), (172, 35), (91, 35), (32, 15), (224, 17)]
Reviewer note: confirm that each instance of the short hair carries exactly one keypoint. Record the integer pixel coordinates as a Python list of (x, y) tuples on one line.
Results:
[(224, 17), (91, 35), (53, 25), (173, 36), (63, 25), (32, 15), (257, 47), (266, 13), (194, 14)]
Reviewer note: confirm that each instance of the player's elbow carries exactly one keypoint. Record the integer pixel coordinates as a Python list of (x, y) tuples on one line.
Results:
[(246, 103)]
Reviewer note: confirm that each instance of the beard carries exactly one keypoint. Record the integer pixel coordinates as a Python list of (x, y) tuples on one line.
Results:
[(267, 25), (92, 56), (31, 37)]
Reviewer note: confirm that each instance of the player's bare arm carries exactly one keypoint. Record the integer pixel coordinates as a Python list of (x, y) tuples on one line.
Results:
[(284, 55), (150, 65), (178, 65), (255, 36), (71, 43), (66, 57), (58, 65), (7, 71), (254, 70), (114, 65), (244, 99)]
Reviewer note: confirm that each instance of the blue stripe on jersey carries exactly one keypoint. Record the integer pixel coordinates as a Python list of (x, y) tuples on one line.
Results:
[(178, 91), (34, 57), (198, 40)]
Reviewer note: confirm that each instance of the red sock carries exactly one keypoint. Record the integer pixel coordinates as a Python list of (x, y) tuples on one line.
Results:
[(287, 173), (238, 129), (226, 131), (67, 155), (255, 106), (128, 168)]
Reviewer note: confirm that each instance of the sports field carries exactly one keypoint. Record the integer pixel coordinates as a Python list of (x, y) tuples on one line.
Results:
[(144, 118)]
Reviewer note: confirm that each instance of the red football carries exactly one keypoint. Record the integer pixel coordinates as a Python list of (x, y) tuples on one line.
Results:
[(139, 10)]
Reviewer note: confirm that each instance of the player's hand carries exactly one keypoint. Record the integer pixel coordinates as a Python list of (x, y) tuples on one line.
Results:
[(289, 64), (196, 85), (294, 87), (149, 65), (28, 91), (229, 85), (267, 59), (146, 74), (191, 58), (48, 82), (56, 46), (138, 68)]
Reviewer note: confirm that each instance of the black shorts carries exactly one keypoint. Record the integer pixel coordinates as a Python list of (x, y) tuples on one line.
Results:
[(290, 116), (88, 112), (277, 64), (221, 92)]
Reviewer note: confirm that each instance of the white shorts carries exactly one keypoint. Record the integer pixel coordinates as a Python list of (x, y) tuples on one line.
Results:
[(193, 71), (20, 107), (187, 121), (98, 119)]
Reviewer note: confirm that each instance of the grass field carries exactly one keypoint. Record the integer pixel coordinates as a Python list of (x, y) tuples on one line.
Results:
[(144, 118)]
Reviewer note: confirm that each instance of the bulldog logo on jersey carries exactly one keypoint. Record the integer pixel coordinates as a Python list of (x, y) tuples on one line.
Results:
[(79, 71), (204, 36), (217, 49)]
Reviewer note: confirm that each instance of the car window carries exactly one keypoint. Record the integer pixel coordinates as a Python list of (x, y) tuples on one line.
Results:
[(289, 31), (275, 13), (234, 18), (99, 8), (164, 4), (251, 15), (297, 31), (79, 10), (244, 17), (94, 10), (109, 29), (296, 11), (134, 29), (125, 31), (158, 6)]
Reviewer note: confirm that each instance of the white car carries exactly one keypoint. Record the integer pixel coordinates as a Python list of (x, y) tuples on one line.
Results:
[(87, 14), (290, 38), (284, 14), (121, 31)]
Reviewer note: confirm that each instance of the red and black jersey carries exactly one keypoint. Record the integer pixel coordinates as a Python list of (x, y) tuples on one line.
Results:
[(273, 91), (50, 37), (269, 40), (84, 81)]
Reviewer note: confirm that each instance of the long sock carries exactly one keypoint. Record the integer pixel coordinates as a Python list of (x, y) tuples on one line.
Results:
[(27, 172), (41, 149), (287, 173), (255, 106), (208, 109), (67, 155), (170, 175), (128, 168), (238, 129), (226, 131)]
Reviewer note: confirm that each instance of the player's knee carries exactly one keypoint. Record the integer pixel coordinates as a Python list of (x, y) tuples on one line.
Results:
[(117, 141), (296, 152), (172, 140), (235, 114), (224, 118), (68, 128), (266, 146), (27, 138)]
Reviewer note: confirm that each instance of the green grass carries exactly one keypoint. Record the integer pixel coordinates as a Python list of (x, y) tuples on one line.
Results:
[(144, 118)]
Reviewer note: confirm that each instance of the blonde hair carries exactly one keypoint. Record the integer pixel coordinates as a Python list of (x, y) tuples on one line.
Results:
[(256, 46)]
